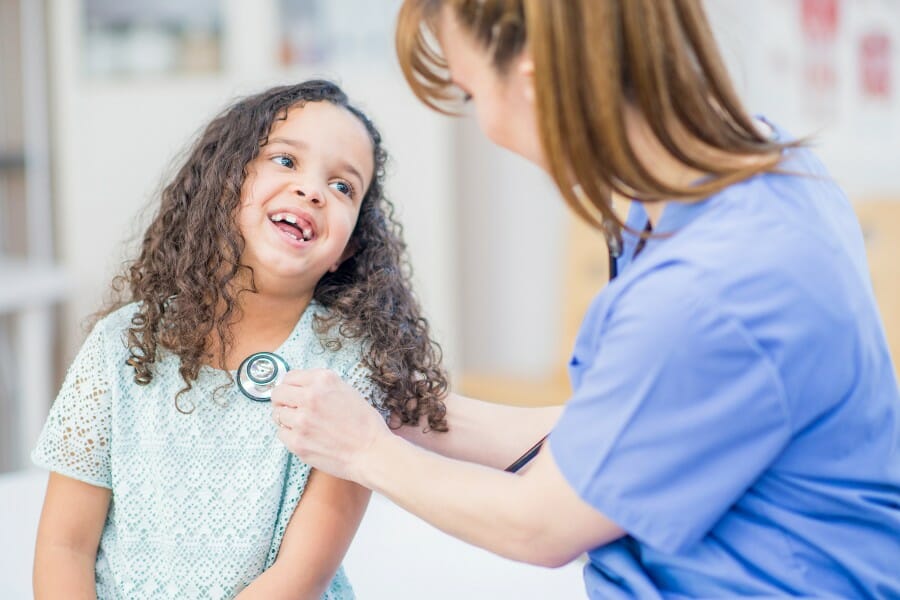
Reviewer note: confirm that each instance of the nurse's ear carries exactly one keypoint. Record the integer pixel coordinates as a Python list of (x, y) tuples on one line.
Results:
[(525, 67)]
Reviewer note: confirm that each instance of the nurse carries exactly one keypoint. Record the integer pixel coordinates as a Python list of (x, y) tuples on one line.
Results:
[(734, 425)]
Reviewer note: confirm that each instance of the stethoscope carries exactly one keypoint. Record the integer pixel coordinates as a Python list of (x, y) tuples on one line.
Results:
[(614, 246), (259, 373)]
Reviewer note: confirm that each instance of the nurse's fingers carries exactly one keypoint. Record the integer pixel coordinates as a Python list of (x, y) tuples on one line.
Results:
[(287, 417), (288, 394), (277, 413), (298, 385), (297, 421), (311, 377)]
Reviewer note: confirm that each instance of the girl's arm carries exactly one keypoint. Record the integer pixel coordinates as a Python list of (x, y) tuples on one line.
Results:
[(68, 537), (485, 432), (316, 539)]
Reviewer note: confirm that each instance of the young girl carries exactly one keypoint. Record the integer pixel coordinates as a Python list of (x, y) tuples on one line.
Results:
[(167, 482)]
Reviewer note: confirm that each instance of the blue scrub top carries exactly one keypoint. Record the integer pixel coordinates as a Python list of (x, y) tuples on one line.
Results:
[(735, 407)]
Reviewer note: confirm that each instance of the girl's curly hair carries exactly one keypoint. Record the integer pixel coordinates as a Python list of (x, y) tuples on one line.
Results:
[(369, 296)]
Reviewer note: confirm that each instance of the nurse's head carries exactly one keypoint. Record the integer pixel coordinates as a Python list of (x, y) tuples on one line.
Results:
[(625, 96)]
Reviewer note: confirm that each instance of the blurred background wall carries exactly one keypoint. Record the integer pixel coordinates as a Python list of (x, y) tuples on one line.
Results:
[(99, 97)]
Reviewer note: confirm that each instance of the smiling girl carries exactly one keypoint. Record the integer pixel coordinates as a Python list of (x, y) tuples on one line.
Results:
[(165, 481)]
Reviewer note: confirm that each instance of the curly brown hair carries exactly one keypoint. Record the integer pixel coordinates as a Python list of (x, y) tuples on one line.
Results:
[(368, 297)]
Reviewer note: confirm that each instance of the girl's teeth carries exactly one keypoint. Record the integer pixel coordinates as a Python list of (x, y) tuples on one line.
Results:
[(305, 234)]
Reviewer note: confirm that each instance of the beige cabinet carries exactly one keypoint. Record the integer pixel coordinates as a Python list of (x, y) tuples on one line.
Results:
[(880, 221)]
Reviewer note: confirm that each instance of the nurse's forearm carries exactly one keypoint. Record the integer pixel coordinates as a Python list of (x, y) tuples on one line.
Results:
[(485, 432), (494, 510)]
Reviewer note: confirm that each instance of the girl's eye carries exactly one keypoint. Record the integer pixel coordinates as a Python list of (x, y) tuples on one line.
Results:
[(467, 97), (284, 160), (343, 187)]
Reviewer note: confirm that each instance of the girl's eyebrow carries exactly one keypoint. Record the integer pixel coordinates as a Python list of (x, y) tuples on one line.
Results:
[(300, 145)]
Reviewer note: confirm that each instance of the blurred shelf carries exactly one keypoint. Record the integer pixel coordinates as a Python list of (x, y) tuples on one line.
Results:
[(29, 283), (11, 160)]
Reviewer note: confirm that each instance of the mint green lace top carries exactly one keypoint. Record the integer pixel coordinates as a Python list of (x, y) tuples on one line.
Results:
[(200, 501)]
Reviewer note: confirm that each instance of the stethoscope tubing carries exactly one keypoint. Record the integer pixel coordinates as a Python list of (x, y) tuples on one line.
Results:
[(614, 247)]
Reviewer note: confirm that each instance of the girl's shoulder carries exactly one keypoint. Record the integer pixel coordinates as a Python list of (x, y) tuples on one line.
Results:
[(332, 347), (112, 325), (109, 334), (121, 316), (345, 353)]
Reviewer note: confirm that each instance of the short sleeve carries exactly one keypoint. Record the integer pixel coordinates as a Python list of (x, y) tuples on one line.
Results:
[(676, 412), (360, 378), (75, 440)]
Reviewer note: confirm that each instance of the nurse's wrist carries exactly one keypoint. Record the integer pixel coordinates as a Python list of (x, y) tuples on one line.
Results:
[(373, 464)]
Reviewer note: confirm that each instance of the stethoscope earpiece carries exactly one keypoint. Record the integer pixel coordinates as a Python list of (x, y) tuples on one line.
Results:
[(259, 373)]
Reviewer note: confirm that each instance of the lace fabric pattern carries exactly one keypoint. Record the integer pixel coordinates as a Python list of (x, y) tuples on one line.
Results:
[(200, 501)]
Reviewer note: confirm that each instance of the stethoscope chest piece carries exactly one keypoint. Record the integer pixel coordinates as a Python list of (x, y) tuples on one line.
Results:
[(259, 373)]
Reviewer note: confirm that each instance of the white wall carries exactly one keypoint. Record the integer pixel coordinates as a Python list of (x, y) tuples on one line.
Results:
[(770, 57), (511, 244), (115, 140)]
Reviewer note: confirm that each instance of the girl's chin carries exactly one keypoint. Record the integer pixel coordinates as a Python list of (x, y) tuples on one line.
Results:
[(292, 293)]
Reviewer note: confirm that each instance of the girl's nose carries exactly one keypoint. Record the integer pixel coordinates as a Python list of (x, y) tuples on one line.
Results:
[(311, 194)]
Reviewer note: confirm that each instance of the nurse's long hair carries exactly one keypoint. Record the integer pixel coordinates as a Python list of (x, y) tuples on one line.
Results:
[(593, 59), (186, 278)]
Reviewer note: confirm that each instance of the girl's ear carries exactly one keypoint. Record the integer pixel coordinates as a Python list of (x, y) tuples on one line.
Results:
[(349, 251)]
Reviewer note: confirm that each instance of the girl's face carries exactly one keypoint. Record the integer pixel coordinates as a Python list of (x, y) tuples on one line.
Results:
[(504, 103), (302, 195)]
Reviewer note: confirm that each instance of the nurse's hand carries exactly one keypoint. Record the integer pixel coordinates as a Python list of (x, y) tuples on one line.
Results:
[(326, 422)]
